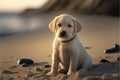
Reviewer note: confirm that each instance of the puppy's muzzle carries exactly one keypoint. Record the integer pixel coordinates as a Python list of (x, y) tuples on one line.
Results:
[(62, 34)]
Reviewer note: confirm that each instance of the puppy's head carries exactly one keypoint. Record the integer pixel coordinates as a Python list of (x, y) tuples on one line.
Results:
[(64, 26)]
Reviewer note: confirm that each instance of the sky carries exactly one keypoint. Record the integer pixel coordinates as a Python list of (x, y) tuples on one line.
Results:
[(19, 5)]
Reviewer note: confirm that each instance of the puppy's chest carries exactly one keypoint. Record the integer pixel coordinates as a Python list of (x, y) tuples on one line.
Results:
[(67, 48)]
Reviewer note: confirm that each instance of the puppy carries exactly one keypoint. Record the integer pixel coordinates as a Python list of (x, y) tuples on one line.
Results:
[(67, 49)]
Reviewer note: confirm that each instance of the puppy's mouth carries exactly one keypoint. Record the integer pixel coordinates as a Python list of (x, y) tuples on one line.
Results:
[(62, 34)]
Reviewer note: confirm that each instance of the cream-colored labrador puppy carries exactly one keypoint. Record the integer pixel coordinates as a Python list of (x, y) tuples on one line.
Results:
[(67, 49)]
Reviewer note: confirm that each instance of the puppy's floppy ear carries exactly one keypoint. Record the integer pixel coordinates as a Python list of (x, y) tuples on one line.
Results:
[(77, 25), (52, 24)]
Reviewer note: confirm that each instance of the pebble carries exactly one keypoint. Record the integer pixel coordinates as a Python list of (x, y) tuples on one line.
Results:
[(62, 71), (30, 74), (118, 58), (104, 61), (8, 72), (47, 66), (87, 47), (25, 61), (38, 69), (24, 65), (46, 71)]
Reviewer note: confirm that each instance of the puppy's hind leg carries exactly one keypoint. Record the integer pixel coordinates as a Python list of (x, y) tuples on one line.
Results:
[(87, 64)]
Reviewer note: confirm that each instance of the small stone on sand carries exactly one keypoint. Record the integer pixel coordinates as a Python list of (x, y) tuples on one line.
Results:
[(118, 58), (62, 71), (104, 61), (88, 47), (38, 69), (47, 66), (8, 72)]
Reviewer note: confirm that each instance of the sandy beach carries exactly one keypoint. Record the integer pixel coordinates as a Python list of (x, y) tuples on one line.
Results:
[(98, 34)]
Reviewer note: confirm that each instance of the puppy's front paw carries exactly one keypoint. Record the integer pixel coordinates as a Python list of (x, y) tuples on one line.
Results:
[(70, 73), (52, 73)]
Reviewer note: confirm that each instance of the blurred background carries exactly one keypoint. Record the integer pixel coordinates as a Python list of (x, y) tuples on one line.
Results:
[(14, 13), (24, 25)]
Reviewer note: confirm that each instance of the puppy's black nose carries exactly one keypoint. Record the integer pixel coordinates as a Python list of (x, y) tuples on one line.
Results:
[(62, 33)]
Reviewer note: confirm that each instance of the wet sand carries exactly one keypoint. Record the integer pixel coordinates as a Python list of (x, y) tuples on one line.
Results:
[(98, 33)]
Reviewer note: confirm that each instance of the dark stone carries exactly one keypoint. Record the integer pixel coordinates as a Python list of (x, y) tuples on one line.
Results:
[(30, 74), (104, 61), (115, 49), (8, 72), (38, 69), (47, 66), (87, 47), (25, 62), (24, 65), (63, 71), (118, 58)]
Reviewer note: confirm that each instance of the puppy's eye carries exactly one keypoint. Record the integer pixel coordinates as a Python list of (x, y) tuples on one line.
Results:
[(69, 25), (59, 24)]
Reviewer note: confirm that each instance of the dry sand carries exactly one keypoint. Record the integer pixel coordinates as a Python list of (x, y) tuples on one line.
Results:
[(98, 33)]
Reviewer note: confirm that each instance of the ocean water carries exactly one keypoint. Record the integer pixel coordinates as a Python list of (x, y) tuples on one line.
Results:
[(11, 23)]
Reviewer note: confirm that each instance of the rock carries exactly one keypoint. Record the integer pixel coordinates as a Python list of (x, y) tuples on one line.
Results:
[(114, 49), (47, 66), (25, 62), (62, 71), (118, 58), (38, 69), (24, 65), (8, 72), (46, 71), (29, 74), (87, 47), (104, 61)]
